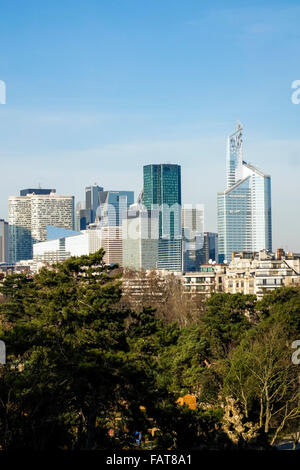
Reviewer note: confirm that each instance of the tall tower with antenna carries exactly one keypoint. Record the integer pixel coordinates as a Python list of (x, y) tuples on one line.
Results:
[(244, 208), (234, 156)]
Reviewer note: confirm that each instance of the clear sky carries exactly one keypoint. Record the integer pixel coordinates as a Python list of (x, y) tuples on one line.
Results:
[(98, 88)]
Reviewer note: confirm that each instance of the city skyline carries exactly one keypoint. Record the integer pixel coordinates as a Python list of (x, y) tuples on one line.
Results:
[(210, 215), (149, 238), (234, 175), (279, 240), (117, 88)]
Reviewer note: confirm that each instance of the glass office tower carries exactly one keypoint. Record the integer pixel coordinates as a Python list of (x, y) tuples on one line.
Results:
[(113, 207), (162, 192), (244, 208), (92, 199), (91, 208)]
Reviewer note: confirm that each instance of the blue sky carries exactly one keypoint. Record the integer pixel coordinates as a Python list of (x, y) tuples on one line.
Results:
[(98, 88)]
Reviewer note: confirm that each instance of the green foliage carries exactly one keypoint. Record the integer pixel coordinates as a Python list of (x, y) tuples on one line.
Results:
[(182, 363), (262, 377), (226, 320), (185, 429), (67, 347), (282, 306), (80, 363)]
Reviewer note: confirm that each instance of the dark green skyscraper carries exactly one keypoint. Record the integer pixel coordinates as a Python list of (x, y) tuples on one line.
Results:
[(162, 191)]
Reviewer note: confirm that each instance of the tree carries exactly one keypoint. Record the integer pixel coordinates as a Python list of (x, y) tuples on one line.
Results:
[(199, 429), (79, 363), (282, 306), (226, 320), (240, 431), (85, 371), (165, 293), (182, 364), (68, 368), (264, 380)]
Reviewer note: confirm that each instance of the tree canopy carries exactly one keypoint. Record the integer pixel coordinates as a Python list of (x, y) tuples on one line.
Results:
[(86, 371)]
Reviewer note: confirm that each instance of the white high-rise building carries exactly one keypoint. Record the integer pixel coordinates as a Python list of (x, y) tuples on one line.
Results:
[(19, 228), (244, 208), (28, 217), (140, 238)]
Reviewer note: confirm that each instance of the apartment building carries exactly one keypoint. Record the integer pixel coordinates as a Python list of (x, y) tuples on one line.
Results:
[(247, 273)]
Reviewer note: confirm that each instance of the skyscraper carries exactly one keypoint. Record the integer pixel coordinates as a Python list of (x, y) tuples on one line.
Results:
[(193, 218), (113, 207), (244, 208), (19, 228), (234, 156), (192, 231), (92, 199), (162, 192), (140, 238), (28, 217), (211, 246), (87, 212)]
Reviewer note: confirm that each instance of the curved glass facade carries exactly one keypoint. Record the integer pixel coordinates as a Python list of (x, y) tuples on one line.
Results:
[(244, 208)]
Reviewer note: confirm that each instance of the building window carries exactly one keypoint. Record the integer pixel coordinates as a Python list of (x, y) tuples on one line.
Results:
[(200, 288)]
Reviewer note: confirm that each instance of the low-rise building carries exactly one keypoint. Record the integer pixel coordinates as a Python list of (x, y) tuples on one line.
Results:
[(261, 272), (82, 243), (209, 279), (247, 273)]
